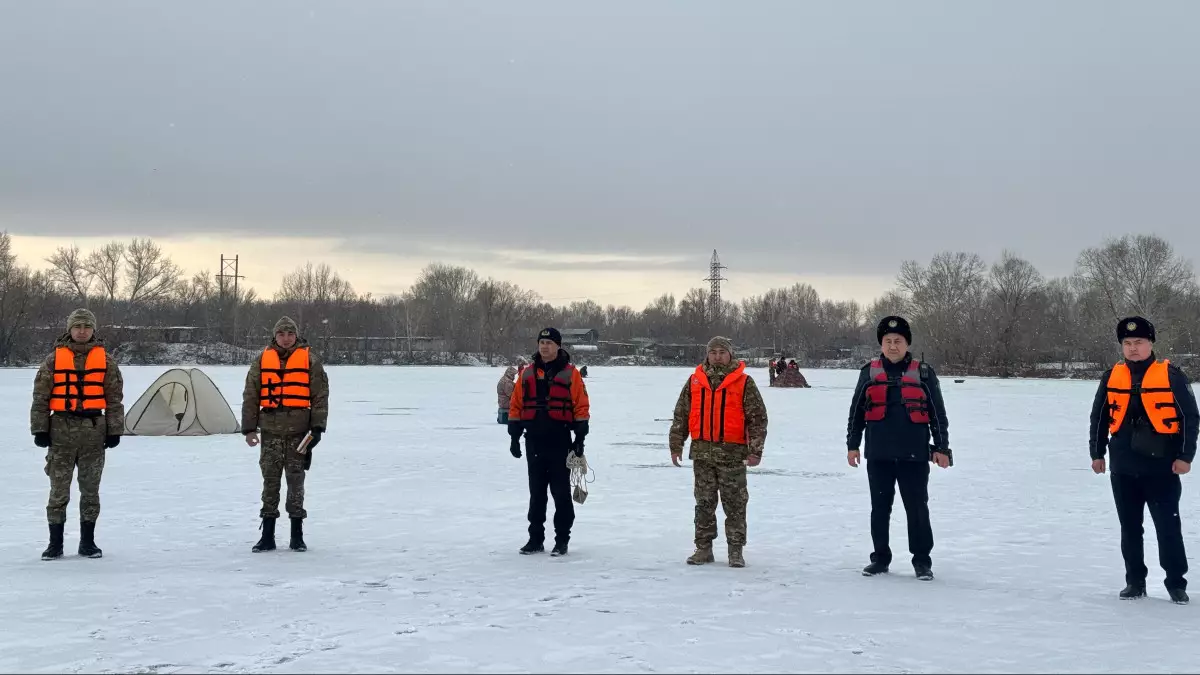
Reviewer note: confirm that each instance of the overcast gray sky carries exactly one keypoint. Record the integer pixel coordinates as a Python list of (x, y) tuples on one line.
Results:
[(815, 141)]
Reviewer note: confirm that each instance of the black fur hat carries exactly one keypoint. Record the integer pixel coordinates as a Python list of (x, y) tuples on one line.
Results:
[(1135, 327), (893, 324)]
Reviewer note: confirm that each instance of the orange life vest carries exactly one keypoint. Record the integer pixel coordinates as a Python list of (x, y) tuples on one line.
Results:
[(912, 393), (78, 390), (1157, 398), (558, 406), (718, 416), (285, 386)]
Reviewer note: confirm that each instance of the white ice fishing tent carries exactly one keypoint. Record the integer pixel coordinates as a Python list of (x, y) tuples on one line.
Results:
[(181, 403)]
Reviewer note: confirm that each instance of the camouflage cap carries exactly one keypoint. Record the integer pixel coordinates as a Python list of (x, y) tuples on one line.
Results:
[(81, 318), (722, 343), (285, 325)]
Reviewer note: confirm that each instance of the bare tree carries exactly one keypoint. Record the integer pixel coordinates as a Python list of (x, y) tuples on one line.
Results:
[(1136, 274), (948, 299), (1015, 284), (105, 265), (150, 274), (68, 270), (21, 292)]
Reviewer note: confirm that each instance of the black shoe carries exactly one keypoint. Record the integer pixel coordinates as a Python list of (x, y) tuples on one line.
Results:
[(55, 549), (267, 542), (87, 541), (1133, 591), (532, 547), (559, 549), (297, 542), (1178, 596), (877, 566), (924, 572)]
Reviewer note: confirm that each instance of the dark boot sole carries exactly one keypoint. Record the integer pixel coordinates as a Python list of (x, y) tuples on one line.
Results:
[(52, 556), (703, 561)]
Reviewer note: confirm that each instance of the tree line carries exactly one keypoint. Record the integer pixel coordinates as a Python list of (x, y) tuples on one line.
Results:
[(1005, 318)]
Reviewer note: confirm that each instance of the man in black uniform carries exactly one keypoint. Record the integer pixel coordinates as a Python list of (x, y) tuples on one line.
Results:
[(898, 402), (549, 402), (1148, 408)]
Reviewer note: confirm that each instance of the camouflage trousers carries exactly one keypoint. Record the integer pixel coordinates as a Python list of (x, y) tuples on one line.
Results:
[(725, 480), (279, 456), (75, 442)]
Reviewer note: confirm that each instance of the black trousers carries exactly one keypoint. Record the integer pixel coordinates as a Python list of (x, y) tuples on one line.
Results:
[(884, 475), (1161, 493), (548, 469)]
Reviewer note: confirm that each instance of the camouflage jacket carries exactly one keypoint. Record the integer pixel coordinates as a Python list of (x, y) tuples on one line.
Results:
[(756, 423), (43, 386), (286, 421)]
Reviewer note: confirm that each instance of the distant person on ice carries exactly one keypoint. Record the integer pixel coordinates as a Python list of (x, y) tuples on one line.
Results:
[(286, 396), (898, 402), (722, 411), (504, 390), (77, 413), (1153, 443), (549, 402)]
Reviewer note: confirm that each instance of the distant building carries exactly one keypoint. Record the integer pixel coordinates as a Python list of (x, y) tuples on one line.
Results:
[(580, 336)]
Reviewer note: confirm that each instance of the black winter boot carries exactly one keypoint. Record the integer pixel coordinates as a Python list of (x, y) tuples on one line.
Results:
[(87, 540), (532, 546), (924, 572), (55, 549), (267, 542), (560, 548), (1134, 591), (877, 566), (297, 542), (1178, 596)]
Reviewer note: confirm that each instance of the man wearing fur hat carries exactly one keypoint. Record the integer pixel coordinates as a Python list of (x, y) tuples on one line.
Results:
[(549, 402), (286, 397), (1145, 414), (898, 403), (722, 411), (77, 413)]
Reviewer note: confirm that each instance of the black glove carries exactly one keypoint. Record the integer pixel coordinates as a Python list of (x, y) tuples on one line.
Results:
[(112, 441), (42, 439), (316, 436), (515, 447), (581, 432)]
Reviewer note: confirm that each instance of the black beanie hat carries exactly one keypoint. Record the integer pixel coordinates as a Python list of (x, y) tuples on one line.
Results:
[(1134, 327), (893, 324), (551, 334)]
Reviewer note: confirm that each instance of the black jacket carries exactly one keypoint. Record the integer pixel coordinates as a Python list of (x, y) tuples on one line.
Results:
[(1137, 449), (896, 436)]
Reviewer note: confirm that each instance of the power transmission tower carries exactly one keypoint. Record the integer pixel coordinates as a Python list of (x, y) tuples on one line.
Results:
[(714, 284), (229, 271)]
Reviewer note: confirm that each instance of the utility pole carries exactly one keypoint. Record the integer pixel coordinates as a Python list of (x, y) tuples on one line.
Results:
[(714, 280), (229, 271)]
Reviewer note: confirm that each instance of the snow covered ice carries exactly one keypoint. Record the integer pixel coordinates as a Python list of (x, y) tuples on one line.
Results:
[(416, 512)]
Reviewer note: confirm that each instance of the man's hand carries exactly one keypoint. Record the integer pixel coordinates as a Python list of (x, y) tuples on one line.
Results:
[(252, 438), (42, 439), (316, 436), (753, 460), (578, 446), (675, 457), (941, 460), (852, 458), (112, 441), (1181, 467), (1098, 465), (515, 447)]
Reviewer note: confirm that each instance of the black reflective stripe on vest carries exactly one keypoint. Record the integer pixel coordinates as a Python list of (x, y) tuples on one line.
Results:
[(724, 392), (703, 410)]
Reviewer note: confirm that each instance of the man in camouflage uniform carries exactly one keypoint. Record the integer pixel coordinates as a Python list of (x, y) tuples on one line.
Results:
[(77, 425), (720, 451), (284, 419)]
